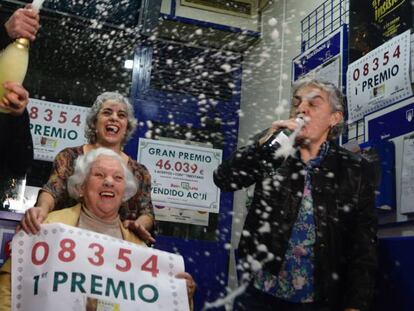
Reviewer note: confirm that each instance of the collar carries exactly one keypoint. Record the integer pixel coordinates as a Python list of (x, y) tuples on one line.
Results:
[(323, 151)]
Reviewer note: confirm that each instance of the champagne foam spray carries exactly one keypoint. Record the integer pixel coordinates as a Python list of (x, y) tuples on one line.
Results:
[(286, 139), (37, 4)]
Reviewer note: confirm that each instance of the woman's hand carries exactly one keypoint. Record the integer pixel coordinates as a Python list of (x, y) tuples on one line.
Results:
[(140, 228), (32, 219), (191, 284)]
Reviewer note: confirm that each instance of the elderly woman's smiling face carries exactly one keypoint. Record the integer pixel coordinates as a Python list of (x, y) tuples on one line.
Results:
[(104, 187)]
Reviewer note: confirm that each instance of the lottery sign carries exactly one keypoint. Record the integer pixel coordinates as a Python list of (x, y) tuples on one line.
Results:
[(182, 175), (379, 78), (67, 268), (55, 127)]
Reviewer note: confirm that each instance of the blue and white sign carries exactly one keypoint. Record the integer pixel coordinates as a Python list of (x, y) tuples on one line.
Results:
[(393, 121), (323, 61), (380, 78)]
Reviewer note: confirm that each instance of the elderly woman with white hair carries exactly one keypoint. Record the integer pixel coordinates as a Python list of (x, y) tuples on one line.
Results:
[(110, 124), (101, 182)]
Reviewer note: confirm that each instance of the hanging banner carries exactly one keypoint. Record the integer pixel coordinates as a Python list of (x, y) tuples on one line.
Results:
[(55, 127), (374, 22), (380, 78), (182, 175), (66, 268)]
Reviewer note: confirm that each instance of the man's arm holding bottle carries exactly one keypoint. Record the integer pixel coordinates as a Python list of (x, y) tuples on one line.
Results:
[(24, 23), (19, 150)]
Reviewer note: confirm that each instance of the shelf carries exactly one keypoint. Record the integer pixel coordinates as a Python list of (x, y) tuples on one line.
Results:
[(6, 215)]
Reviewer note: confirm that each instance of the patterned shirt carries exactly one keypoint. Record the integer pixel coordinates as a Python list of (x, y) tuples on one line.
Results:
[(63, 167), (295, 281)]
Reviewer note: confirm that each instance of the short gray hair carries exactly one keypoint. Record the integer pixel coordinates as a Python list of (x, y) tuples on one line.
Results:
[(83, 166), (90, 127), (336, 99)]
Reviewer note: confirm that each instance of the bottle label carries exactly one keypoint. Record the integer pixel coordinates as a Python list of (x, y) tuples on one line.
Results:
[(281, 139)]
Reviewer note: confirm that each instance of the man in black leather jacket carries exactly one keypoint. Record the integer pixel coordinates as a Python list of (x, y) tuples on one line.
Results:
[(15, 139), (309, 240)]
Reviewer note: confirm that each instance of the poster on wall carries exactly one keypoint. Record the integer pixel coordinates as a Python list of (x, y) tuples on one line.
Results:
[(388, 123), (373, 22), (407, 176), (182, 175), (324, 61), (67, 268), (381, 159), (55, 127), (380, 78), (6, 236)]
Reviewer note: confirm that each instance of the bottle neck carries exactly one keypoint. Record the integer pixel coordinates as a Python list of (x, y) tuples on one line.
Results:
[(22, 43)]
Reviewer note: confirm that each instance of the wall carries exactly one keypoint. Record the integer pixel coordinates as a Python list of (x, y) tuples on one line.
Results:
[(211, 17), (386, 229)]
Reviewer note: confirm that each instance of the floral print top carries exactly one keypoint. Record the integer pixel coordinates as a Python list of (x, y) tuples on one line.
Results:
[(295, 281), (63, 167)]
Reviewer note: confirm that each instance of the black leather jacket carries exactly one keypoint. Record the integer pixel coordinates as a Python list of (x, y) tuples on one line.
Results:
[(16, 144), (346, 225)]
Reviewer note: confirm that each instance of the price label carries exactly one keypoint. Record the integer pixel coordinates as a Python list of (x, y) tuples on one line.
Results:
[(185, 167), (55, 127)]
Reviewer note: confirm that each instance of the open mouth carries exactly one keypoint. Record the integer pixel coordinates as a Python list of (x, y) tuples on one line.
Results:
[(111, 128), (107, 194)]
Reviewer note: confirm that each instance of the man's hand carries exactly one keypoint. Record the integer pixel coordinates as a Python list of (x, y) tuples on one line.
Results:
[(290, 124), (139, 230), (16, 99), (24, 23), (32, 219)]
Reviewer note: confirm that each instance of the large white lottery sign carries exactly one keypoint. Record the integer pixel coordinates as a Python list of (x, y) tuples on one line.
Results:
[(182, 175), (55, 127), (380, 78), (66, 268)]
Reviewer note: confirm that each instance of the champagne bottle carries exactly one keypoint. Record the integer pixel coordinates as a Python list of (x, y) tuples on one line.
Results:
[(281, 137), (14, 60)]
